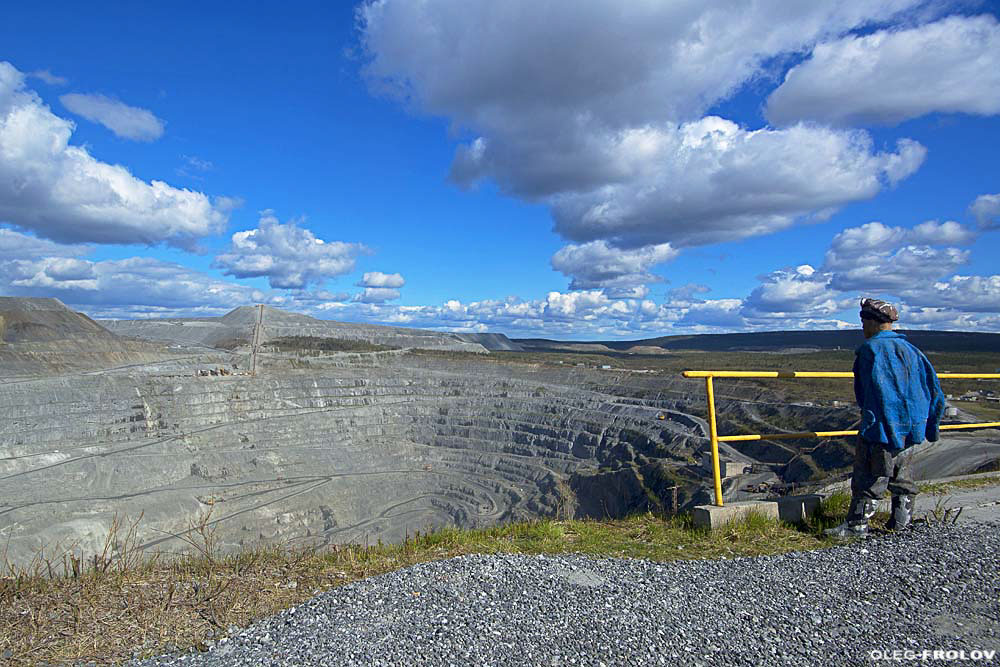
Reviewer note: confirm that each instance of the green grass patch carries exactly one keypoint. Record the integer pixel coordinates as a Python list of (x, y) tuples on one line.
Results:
[(942, 488)]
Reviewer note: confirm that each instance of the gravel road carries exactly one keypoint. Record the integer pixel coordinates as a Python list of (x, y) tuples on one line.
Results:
[(932, 588)]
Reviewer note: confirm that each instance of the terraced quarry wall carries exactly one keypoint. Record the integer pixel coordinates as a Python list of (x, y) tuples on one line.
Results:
[(362, 451)]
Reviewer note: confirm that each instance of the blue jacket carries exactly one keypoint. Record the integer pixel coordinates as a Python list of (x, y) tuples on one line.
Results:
[(898, 392)]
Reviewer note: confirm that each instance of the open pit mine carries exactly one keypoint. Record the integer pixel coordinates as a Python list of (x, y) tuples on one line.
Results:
[(273, 426)]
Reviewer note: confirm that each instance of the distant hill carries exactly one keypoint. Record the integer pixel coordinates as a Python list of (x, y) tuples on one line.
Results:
[(26, 320), (236, 327), (491, 341), (773, 341)]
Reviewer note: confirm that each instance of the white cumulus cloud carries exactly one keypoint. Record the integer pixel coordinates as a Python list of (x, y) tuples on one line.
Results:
[(951, 65), (288, 255), (597, 264), (61, 192), (878, 258), (125, 121), (793, 293), (379, 279), (595, 108), (711, 181), (979, 294)]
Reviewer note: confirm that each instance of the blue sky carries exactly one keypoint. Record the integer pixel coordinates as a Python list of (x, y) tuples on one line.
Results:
[(535, 168)]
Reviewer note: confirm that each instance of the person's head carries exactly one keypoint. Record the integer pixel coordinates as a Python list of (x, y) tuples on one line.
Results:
[(877, 315)]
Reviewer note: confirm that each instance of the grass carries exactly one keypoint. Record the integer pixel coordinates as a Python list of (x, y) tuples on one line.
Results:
[(123, 604), (987, 411), (943, 488)]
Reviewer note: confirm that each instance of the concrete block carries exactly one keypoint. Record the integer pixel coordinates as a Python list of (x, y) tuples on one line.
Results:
[(711, 516), (795, 509), (727, 468)]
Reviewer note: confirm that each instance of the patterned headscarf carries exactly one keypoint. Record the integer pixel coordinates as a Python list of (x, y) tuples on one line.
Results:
[(878, 310)]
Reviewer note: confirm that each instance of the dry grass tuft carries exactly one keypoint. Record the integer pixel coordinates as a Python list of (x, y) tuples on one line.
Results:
[(943, 488)]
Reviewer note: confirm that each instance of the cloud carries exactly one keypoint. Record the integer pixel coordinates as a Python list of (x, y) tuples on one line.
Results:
[(949, 319), (14, 245), (898, 270), (986, 208), (611, 135), (377, 295), (136, 285), (686, 293), (536, 63), (793, 293), (288, 255), (576, 314), (886, 77), (194, 167), (318, 298), (48, 77), (63, 193), (379, 279), (711, 181), (878, 258), (196, 163), (873, 260), (125, 121), (597, 264), (722, 313), (935, 232), (977, 294), (635, 292)]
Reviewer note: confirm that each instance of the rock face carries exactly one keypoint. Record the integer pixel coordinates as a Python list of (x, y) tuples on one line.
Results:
[(335, 454)]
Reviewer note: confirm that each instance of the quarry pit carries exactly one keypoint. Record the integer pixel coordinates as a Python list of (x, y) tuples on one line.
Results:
[(274, 427)]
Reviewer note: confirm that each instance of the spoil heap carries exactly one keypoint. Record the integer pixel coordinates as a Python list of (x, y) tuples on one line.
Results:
[(235, 328)]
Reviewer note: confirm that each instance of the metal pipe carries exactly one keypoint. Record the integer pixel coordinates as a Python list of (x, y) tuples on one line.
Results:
[(714, 438)]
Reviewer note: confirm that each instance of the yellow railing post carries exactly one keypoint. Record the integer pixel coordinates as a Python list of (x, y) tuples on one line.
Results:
[(713, 434)]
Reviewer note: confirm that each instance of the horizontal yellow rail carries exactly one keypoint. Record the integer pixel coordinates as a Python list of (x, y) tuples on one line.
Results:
[(821, 374), (834, 434), (715, 438)]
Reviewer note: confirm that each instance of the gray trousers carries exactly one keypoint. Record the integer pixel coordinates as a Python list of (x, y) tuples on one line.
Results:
[(878, 468)]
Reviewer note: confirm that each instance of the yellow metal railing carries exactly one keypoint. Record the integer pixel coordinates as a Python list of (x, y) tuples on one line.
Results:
[(715, 438)]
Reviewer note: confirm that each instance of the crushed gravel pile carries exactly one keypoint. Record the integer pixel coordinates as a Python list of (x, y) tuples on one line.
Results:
[(932, 588)]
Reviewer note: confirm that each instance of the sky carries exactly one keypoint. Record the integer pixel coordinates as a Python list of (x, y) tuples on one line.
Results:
[(577, 170)]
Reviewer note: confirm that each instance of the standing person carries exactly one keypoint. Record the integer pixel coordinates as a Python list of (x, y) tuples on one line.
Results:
[(901, 405)]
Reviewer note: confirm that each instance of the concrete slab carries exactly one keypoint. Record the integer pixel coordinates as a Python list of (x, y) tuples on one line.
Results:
[(727, 468), (795, 509), (711, 516)]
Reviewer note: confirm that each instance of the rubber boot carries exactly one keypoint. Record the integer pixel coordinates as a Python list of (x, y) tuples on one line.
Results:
[(902, 512), (862, 509)]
